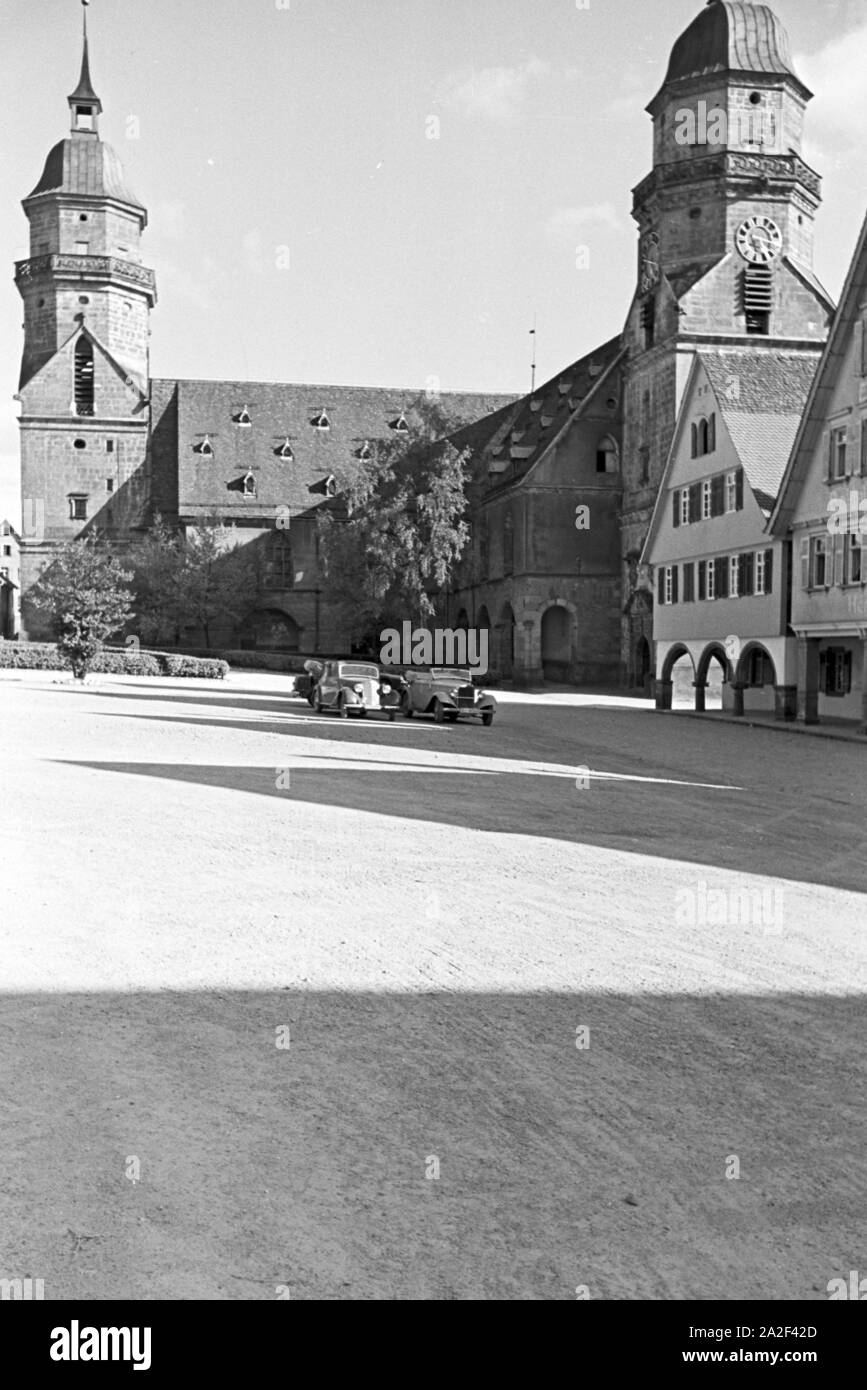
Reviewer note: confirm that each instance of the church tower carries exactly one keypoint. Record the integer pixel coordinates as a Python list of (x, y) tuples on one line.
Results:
[(725, 249), (84, 376)]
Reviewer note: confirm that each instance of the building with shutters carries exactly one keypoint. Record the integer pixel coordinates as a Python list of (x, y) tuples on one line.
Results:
[(822, 510), (722, 583)]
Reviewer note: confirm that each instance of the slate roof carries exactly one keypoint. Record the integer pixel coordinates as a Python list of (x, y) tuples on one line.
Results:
[(521, 434), (762, 397), (357, 415)]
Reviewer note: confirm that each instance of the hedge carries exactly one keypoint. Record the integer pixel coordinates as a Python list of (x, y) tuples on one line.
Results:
[(44, 656)]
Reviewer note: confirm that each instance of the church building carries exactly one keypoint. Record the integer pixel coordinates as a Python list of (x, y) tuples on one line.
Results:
[(564, 481)]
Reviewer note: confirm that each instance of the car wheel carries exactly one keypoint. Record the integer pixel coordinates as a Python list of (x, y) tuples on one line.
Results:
[(439, 712), (487, 720), (341, 708)]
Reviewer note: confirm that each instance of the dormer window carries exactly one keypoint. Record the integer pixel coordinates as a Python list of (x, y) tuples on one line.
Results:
[(242, 418), (84, 118), (365, 452), (330, 486), (321, 421), (205, 448), (285, 451), (399, 425), (249, 486)]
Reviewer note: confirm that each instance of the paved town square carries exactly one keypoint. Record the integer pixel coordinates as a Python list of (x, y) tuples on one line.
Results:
[(368, 1010)]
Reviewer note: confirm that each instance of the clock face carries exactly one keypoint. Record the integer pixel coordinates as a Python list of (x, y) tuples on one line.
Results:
[(649, 257), (759, 240)]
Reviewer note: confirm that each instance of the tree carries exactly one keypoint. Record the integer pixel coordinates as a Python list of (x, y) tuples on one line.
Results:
[(85, 592), (393, 540), (191, 579)]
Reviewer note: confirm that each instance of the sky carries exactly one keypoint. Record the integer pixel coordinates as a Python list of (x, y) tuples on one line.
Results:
[(376, 192)]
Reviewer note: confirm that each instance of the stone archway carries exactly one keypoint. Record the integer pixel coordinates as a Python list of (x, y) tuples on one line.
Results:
[(506, 641), (556, 643), (713, 672), (676, 679)]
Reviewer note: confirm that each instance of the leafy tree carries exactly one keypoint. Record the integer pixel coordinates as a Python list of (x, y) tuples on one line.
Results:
[(85, 592), (197, 578), (395, 536)]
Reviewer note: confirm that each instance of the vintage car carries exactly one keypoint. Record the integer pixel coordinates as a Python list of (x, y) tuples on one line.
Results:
[(447, 692), (356, 687)]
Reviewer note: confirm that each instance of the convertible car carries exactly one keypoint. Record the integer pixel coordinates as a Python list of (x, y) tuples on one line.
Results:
[(355, 687), (447, 692)]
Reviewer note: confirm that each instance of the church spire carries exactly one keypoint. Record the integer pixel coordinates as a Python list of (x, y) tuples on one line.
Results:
[(84, 104)]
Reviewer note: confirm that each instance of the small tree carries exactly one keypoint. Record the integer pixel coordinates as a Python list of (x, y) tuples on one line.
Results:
[(85, 592), (197, 577)]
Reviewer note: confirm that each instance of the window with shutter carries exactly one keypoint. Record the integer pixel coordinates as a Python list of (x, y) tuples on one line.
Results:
[(828, 445), (739, 486), (819, 566), (734, 576), (702, 580), (674, 586), (705, 500), (689, 583), (721, 579), (769, 571), (717, 496), (838, 440), (675, 508), (746, 574), (695, 502), (731, 492), (854, 565), (839, 555), (660, 584), (685, 517), (710, 578)]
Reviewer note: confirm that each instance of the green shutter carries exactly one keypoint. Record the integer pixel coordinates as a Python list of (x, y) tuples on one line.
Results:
[(717, 495), (674, 572), (739, 490), (695, 502), (675, 513), (769, 571), (702, 580)]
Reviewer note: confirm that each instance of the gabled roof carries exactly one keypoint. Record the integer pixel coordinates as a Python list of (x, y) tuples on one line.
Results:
[(523, 433), (824, 383), (279, 411), (761, 396)]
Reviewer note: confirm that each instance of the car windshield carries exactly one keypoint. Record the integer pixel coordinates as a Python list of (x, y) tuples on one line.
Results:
[(357, 670), (450, 673)]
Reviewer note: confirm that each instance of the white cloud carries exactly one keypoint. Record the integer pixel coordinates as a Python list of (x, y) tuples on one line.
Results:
[(564, 224), (497, 94), (837, 74)]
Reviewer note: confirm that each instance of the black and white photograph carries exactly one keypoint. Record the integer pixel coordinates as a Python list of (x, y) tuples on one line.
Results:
[(433, 663)]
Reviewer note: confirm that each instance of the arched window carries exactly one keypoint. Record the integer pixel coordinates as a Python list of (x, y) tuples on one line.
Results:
[(703, 434), (694, 450), (606, 455), (508, 543), (84, 377), (711, 434)]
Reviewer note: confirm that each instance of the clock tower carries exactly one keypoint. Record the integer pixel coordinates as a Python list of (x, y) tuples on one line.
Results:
[(725, 243)]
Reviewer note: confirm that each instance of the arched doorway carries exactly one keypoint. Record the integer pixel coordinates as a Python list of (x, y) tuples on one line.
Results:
[(271, 630), (506, 641), (713, 672), (556, 643), (679, 669), (643, 665)]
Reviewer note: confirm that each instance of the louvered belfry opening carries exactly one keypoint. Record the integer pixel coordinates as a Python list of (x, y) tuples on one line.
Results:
[(83, 377), (758, 291)]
